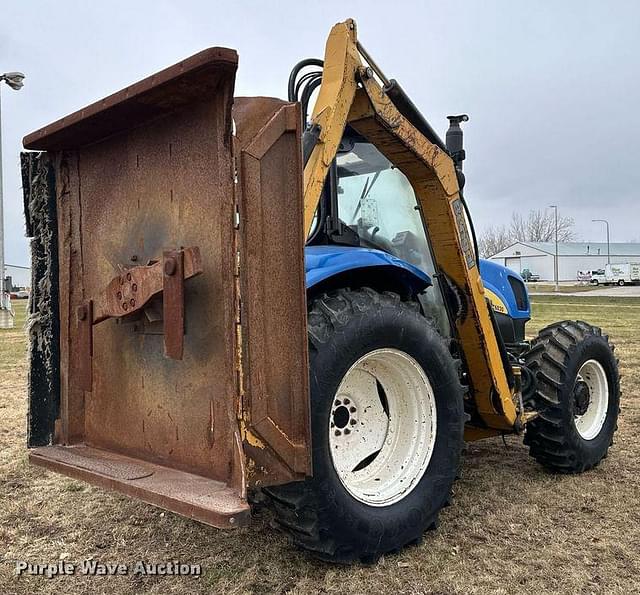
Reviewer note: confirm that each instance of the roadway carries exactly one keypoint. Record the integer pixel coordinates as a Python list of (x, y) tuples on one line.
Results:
[(608, 291)]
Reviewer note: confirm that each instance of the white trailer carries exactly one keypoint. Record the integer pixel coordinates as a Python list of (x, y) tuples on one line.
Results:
[(622, 273)]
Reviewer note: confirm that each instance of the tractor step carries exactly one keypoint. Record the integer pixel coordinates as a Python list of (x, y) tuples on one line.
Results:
[(194, 496)]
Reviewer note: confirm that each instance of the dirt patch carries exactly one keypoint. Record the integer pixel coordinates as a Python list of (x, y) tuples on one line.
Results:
[(512, 528)]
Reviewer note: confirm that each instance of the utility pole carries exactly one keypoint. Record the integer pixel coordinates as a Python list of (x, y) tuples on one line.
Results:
[(14, 80), (608, 245), (555, 261)]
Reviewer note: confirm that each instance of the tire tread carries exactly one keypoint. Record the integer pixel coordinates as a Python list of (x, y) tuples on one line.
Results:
[(546, 435), (297, 506)]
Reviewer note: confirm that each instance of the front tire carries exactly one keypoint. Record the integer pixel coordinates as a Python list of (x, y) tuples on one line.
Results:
[(578, 397), (387, 429)]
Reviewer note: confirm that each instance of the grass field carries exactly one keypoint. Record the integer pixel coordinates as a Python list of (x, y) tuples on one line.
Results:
[(550, 287), (512, 527)]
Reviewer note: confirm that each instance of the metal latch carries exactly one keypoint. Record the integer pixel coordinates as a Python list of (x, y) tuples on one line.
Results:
[(130, 291)]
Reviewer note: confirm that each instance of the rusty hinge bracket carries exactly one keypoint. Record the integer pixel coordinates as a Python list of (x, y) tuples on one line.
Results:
[(130, 292), (173, 302)]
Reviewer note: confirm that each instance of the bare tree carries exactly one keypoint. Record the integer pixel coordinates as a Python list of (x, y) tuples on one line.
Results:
[(494, 239), (537, 226)]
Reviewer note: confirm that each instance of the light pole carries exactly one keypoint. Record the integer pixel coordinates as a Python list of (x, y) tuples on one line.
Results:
[(608, 245), (14, 80), (555, 261)]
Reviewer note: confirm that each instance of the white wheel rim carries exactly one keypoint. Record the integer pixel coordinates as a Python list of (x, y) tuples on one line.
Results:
[(403, 436), (590, 423)]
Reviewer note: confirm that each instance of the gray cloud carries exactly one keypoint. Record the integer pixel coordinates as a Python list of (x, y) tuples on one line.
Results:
[(551, 88)]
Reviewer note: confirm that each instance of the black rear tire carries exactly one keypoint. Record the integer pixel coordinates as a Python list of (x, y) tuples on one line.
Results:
[(319, 513), (555, 357)]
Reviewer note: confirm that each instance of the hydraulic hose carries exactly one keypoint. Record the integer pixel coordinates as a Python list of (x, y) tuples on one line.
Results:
[(292, 92)]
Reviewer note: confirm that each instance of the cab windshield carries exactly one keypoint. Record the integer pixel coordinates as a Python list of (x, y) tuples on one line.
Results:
[(377, 201)]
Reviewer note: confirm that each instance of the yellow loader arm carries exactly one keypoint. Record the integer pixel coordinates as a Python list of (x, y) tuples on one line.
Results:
[(351, 94)]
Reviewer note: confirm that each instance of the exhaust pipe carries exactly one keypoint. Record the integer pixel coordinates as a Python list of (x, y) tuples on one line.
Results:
[(454, 139), (455, 144)]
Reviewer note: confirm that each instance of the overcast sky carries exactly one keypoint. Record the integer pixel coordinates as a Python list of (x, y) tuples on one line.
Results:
[(552, 88)]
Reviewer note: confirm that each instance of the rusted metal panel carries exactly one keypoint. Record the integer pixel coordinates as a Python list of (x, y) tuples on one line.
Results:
[(205, 500), (146, 199), (165, 92), (151, 169), (275, 363), (71, 291), (169, 183)]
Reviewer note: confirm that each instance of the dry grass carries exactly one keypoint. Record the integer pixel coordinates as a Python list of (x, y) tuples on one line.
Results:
[(512, 528)]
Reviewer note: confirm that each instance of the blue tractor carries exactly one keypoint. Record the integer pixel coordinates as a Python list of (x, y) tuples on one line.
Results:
[(177, 356)]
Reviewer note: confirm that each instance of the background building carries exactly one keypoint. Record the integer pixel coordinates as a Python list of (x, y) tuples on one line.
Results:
[(20, 276), (572, 257)]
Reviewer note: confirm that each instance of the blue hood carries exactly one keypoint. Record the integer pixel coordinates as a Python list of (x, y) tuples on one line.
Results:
[(502, 281)]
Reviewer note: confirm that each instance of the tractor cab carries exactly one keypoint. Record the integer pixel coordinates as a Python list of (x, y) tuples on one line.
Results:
[(368, 210), (368, 206)]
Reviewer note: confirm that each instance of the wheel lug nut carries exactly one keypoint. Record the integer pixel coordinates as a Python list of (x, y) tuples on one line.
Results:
[(346, 401), (353, 422), (347, 431), (338, 433), (337, 403), (352, 409), (333, 425)]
